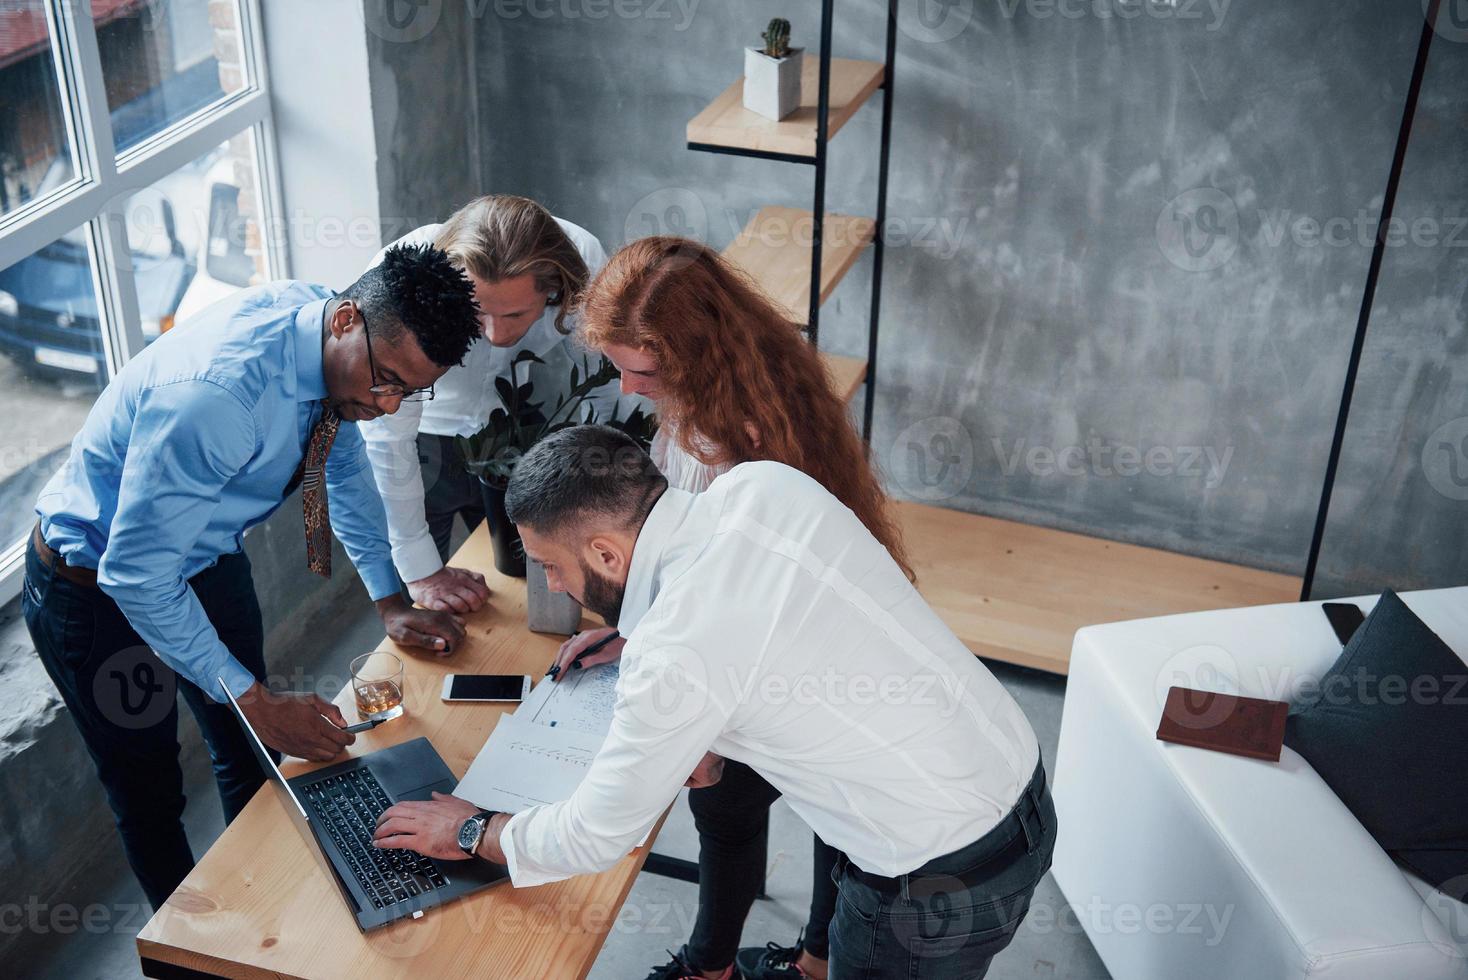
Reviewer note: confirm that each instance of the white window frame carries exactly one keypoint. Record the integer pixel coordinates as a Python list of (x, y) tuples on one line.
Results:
[(96, 197)]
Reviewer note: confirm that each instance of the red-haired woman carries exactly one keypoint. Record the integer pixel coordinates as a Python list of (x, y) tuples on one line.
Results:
[(733, 381)]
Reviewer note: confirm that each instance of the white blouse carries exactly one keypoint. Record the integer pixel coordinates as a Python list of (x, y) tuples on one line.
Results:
[(683, 470)]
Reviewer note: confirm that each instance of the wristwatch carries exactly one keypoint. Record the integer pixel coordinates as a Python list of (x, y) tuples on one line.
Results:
[(472, 831)]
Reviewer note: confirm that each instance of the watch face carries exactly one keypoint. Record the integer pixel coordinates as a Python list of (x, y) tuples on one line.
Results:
[(469, 834)]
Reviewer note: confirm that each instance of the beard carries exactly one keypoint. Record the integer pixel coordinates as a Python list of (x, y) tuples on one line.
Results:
[(602, 595)]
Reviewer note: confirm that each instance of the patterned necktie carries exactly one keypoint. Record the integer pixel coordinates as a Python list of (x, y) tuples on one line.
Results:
[(313, 491)]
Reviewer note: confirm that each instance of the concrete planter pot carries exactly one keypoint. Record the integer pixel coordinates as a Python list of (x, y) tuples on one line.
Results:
[(772, 85), (548, 612)]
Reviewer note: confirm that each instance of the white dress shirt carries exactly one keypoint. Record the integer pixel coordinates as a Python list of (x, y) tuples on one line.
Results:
[(766, 624), (462, 401)]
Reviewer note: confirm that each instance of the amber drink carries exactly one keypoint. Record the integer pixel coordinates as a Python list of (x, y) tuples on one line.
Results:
[(377, 682)]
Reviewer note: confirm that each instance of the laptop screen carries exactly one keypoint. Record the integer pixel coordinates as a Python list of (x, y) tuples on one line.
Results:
[(298, 813), (267, 762)]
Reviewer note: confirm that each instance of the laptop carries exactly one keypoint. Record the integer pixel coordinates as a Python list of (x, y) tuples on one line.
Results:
[(336, 810)]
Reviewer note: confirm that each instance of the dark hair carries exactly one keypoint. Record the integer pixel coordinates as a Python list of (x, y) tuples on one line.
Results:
[(581, 472), (417, 288)]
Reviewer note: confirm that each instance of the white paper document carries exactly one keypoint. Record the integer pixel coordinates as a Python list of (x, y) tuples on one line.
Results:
[(583, 701), (543, 751), (524, 765)]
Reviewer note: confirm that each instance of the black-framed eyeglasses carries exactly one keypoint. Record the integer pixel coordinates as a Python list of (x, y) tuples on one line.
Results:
[(387, 389)]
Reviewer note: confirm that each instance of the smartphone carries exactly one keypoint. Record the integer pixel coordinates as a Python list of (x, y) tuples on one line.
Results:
[(1344, 618), (486, 687)]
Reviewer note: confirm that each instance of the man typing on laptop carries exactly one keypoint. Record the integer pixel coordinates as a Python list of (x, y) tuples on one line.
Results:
[(137, 586), (766, 625)]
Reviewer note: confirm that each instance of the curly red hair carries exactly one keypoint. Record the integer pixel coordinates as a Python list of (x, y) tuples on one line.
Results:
[(737, 376)]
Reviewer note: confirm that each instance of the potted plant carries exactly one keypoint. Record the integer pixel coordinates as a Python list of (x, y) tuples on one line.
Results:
[(772, 73), (520, 422)]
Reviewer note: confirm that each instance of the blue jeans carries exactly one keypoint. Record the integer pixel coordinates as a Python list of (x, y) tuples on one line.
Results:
[(947, 919), (123, 701)]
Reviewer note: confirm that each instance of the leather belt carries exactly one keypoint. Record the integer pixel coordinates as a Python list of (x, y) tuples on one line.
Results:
[(1021, 825), (76, 574), (969, 877)]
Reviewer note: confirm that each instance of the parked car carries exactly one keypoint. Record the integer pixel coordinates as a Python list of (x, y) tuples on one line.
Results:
[(48, 306), (49, 322)]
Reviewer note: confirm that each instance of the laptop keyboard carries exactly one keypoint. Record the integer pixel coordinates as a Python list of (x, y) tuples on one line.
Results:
[(348, 806)]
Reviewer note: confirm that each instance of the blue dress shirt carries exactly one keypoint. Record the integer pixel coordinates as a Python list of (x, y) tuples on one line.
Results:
[(193, 443)]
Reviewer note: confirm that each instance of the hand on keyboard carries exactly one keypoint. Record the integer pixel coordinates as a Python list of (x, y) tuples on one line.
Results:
[(347, 806), (429, 827)]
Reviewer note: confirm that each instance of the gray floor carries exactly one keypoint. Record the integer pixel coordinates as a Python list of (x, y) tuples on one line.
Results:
[(659, 911)]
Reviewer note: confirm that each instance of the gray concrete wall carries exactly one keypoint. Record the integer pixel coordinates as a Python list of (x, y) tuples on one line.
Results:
[(424, 111), (1401, 514), (377, 129), (320, 94), (1052, 349)]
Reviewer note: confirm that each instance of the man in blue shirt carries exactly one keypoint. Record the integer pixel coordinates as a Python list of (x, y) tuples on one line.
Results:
[(137, 585)]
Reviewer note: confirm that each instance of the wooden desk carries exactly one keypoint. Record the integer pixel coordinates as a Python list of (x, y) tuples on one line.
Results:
[(258, 904)]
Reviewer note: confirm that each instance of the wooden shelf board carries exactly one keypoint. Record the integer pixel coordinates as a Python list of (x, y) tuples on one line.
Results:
[(774, 249), (725, 122), (846, 373), (1018, 593)]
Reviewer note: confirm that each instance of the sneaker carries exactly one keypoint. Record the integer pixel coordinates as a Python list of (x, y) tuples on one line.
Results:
[(773, 962), (678, 969)]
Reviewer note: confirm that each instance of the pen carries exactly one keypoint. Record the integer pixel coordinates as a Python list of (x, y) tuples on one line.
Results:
[(365, 726), (576, 662)]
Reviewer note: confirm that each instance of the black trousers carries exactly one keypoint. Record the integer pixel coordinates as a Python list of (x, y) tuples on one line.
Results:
[(947, 919), (732, 821), (448, 489), (124, 702)]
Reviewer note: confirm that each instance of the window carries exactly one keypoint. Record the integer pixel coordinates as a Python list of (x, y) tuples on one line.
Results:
[(134, 179), (161, 63), (35, 146), (193, 235), (51, 358)]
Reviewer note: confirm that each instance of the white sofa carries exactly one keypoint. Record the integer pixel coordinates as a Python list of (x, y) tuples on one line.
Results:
[(1185, 863)]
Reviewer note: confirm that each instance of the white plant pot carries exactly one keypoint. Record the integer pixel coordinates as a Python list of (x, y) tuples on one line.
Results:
[(772, 85), (547, 611)]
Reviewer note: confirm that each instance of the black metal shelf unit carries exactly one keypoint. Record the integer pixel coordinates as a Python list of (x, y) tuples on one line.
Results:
[(818, 208)]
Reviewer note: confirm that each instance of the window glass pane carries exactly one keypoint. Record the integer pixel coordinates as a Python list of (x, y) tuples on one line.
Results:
[(194, 235), (35, 149), (162, 62), (51, 368)]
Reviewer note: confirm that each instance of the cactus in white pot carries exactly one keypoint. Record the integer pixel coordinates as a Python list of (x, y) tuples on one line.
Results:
[(772, 73), (777, 38)]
